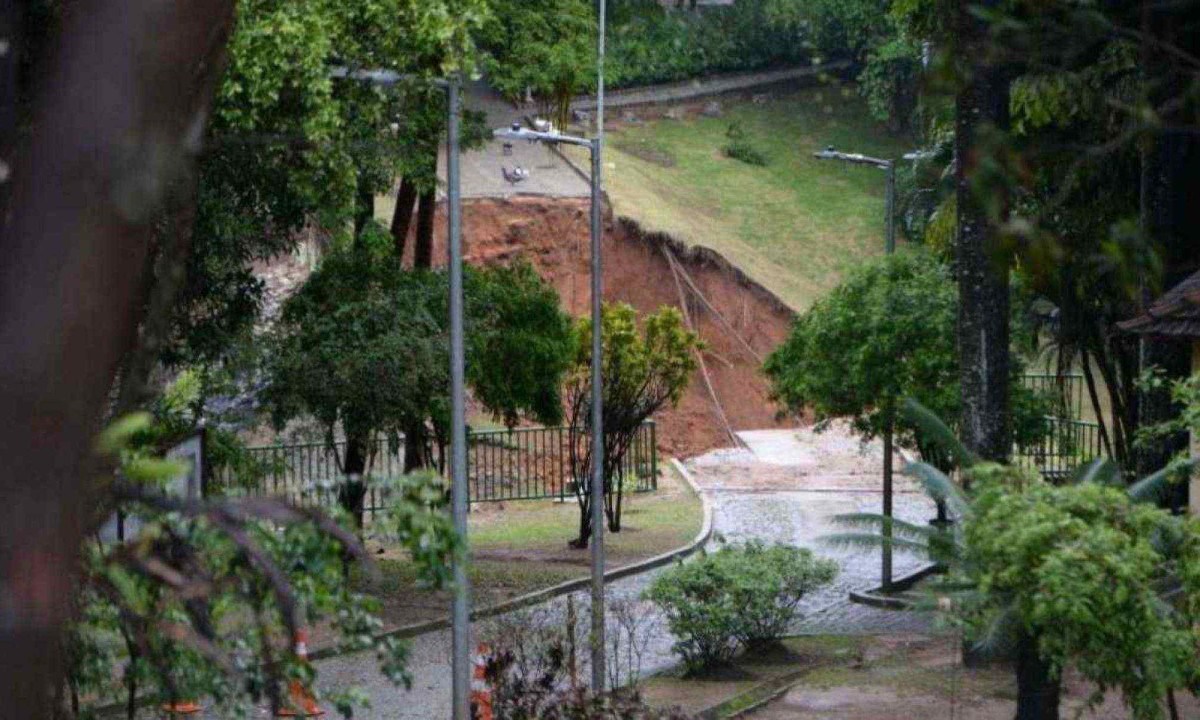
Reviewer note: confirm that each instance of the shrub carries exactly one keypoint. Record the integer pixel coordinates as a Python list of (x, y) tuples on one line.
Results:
[(739, 596), (745, 152), (740, 148), (528, 669)]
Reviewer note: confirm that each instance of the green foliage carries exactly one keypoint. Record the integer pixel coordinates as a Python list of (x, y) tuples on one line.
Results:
[(520, 343), (204, 601), (547, 47), (651, 44), (363, 347), (1099, 579), (288, 145), (886, 332), (642, 371), (359, 346), (739, 147), (1083, 570), (739, 596)]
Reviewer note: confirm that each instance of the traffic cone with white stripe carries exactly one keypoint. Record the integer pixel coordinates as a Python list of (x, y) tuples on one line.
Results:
[(301, 702), (481, 694)]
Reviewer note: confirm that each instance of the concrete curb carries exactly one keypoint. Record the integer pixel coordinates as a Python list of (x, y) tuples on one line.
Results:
[(687, 90), (876, 597), (540, 596)]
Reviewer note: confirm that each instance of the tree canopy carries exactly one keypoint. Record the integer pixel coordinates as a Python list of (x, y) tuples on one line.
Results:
[(642, 371), (885, 333), (546, 47), (363, 347)]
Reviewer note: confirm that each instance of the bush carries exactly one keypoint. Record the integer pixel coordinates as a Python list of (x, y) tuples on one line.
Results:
[(739, 147), (739, 596), (528, 669), (744, 151)]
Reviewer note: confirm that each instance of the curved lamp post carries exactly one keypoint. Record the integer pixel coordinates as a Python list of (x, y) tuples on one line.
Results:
[(461, 610)]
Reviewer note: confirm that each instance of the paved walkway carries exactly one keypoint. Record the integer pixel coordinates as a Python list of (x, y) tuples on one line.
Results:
[(704, 87), (549, 174), (784, 489)]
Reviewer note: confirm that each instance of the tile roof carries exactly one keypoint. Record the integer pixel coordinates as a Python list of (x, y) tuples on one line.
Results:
[(1176, 313)]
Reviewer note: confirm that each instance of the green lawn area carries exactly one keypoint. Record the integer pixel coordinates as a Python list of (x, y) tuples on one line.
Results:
[(791, 225), (519, 547)]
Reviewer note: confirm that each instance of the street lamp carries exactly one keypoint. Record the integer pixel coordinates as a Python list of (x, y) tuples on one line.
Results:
[(517, 132), (889, 167), (461, 615)]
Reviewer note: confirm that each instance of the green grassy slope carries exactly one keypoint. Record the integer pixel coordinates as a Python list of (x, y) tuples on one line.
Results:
[(791, 225)]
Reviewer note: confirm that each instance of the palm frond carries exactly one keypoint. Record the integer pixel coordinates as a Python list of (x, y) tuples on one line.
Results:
[(875, 522), (1101, 471), (937, 432), (1155, 486), (1002, 632), (940, 487), (870, 541)]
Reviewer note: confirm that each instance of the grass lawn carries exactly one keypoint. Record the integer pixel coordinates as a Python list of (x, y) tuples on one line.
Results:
[(519, 547), (791, 225)]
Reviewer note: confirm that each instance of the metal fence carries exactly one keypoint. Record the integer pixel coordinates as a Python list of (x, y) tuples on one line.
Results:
[(1066, 391), (1067, 445), (519, 464)]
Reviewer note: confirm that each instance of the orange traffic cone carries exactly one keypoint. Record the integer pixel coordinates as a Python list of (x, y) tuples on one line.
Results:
[(301, 702), (180, 707), (481, 694)]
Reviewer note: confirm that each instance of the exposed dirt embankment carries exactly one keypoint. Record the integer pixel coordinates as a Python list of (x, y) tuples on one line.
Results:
[(739, 321)]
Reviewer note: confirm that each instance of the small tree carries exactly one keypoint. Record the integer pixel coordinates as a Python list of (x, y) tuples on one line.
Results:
[(1092, 576), (885, 333), (642, 372)]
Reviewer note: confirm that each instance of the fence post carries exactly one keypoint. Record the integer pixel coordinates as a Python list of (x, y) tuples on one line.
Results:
[(653, 455)]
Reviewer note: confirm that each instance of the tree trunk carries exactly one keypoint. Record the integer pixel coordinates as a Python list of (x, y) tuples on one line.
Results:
[(353, 488), (364, 206), (1037, 686), (585, 519), (423, 250), (1168, 218), (406, 199), (983, 317), (415, 439), (84, 200)]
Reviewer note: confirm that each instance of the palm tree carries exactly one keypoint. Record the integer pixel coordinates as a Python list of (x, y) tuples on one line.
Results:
[(1038, 685)]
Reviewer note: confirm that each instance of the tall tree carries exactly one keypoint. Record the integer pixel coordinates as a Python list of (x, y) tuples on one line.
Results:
[(982, 271), (88, 183), (643, 371), (1168, 183)]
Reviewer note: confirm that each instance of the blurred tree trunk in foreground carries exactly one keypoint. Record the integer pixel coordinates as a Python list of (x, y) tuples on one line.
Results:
[(983, 320), (119, 116)]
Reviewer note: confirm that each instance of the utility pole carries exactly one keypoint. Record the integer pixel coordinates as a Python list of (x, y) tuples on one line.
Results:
[(458, 413), (596, 471), (597, 640), (889, 169)]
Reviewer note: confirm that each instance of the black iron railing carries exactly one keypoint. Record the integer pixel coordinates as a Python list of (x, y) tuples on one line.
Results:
[(1066, 392), (518, 464), (1066, 445)]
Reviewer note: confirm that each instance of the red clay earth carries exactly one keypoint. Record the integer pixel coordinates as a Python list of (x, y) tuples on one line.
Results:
[(553, 234)]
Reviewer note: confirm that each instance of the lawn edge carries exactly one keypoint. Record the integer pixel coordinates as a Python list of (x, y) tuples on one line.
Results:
[(539, 596)]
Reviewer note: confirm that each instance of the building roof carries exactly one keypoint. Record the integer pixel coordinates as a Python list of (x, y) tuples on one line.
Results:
[(1177, 313)]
